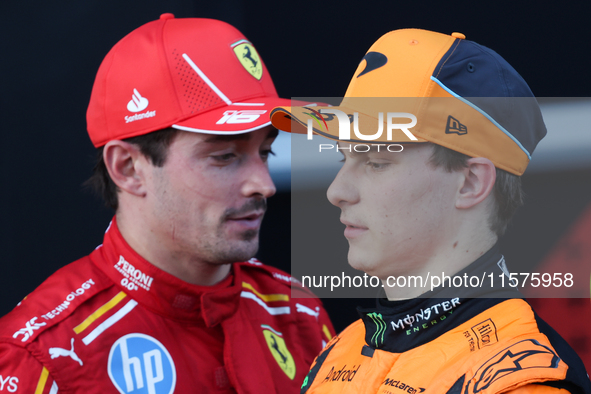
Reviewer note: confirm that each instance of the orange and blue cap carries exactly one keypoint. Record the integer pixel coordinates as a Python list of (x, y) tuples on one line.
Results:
[(465, 97)]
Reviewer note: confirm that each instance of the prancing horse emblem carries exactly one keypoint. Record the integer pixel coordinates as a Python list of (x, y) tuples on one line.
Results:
[(279, 350), (249, 58), (56, 352)]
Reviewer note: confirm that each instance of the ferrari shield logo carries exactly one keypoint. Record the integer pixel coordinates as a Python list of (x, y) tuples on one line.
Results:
[(279, 351), (249, 58)]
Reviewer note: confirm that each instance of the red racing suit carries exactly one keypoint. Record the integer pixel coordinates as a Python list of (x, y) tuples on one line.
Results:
[(113, 323)]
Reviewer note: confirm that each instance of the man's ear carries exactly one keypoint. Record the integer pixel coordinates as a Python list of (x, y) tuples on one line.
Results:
[(478, 182), (125, 164)]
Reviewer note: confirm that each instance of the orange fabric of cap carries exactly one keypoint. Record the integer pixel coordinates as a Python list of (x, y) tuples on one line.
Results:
[(464, 97)]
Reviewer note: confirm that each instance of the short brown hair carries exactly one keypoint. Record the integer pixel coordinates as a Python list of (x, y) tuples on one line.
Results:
[(153, 145), (507, 190)]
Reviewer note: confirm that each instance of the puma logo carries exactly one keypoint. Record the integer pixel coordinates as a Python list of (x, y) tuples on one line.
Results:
[(56, 352)]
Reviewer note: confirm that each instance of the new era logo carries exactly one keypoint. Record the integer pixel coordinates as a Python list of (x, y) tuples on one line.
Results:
[(455, 127)]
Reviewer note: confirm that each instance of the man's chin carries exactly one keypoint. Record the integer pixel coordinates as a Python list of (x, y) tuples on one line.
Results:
[(361, 261), (239, 250)]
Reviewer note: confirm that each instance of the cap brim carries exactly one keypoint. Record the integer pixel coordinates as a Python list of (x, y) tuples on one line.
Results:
[(237, 118), (295, 119)]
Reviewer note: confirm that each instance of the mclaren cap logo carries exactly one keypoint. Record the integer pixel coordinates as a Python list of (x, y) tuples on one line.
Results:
[(373, 60), (279, 350), (249, 58)]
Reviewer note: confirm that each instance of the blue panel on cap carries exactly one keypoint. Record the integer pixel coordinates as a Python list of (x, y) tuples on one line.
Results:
[(484, 78)]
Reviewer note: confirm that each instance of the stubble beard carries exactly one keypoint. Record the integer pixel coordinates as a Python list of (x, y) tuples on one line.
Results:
[(224, 251)]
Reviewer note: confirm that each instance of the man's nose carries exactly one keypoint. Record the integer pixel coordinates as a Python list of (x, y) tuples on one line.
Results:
[(258, 180), (342, 190)]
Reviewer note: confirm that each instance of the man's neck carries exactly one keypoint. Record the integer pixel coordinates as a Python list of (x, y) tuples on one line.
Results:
[(448, 260)]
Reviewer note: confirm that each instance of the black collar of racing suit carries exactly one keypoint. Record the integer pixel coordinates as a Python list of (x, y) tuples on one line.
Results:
[(398, 326)]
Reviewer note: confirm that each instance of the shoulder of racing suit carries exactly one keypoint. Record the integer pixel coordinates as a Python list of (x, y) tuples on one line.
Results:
[(52, 302), (499, 346)]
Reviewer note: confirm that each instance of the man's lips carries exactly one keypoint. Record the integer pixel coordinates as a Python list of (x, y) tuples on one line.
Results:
[(353, 229), (248, 220)]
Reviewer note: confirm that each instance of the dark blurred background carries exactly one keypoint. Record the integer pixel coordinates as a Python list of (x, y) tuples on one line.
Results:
[(50, 52)]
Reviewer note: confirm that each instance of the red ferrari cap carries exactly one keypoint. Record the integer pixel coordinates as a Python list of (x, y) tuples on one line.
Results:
[(193, 74)]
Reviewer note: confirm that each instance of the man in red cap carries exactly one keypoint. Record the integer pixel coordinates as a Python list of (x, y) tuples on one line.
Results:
[(173, 300), (424, 200)]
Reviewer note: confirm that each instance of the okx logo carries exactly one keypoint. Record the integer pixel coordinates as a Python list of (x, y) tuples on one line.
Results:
[(139, 363), (377, 339)]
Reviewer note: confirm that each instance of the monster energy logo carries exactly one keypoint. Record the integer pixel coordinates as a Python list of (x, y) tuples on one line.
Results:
[(377, 339), (305, 383)]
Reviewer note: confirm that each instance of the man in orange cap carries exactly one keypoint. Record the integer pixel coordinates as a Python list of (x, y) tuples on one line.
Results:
[(173, 300), (426, 198)]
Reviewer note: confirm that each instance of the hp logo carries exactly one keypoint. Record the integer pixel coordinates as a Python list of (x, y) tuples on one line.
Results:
[(139, 363)]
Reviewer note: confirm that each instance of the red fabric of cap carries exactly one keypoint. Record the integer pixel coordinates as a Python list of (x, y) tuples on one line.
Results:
[(193, 74)]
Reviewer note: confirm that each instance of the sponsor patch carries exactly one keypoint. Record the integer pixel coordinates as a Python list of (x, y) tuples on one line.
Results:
[(486, 333), (133, 277), (139, 363), (28, 331), (344, 374), (516, 363), (426, 315), (377, 339), (68, 300), (10, 383), (402, 386), (279, 350), (304, 309), (56, 352), (137, 103), (454, 126), (249, 58)]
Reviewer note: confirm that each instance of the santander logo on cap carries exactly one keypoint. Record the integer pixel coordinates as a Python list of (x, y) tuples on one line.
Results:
[(137, 103)]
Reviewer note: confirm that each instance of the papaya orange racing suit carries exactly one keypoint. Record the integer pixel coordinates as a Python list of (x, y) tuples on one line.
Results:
[(113, 323), (452, 342)]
